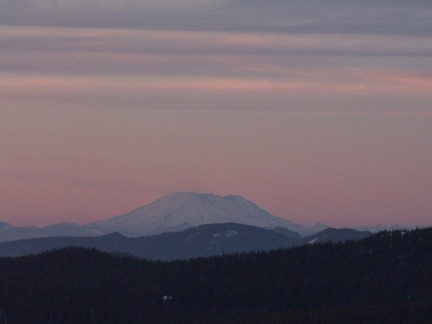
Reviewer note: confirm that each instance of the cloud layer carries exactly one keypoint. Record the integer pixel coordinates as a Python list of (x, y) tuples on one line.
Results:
[(351, 17), (316, 110)]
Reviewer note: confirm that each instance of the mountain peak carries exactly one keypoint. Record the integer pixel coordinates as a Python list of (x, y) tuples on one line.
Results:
[(181, 210)]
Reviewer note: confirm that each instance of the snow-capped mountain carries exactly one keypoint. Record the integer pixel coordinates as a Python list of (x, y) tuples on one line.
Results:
[(171, 213), (182, 210)]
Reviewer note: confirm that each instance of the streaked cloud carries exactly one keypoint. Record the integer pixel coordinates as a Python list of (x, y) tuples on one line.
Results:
[(327, 16), (62, 66), (284, 102)]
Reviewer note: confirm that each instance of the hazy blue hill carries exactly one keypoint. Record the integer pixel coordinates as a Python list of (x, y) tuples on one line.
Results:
[(12, 233), (205, 240), (335, 235), (3, 225), (200, 241), (213, 239)]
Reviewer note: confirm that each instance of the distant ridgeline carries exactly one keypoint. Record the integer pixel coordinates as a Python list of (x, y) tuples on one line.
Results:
[(200, 241), (384, 277)]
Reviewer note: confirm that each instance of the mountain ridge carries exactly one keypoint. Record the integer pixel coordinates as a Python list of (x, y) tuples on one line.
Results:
[(201, 241), (170, 213)]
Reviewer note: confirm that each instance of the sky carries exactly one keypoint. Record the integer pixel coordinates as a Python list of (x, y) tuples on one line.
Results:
[(313, 110)]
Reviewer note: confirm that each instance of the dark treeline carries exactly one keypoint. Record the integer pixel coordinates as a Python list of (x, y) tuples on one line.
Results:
[(384, 278)]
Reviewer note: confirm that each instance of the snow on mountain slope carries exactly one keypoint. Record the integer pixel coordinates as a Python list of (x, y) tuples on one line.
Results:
[(186, 209)]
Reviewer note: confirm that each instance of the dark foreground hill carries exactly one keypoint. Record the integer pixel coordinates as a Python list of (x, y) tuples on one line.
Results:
[(383, 278)]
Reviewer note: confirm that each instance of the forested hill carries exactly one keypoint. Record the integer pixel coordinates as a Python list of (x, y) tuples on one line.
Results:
[(385, 277)]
